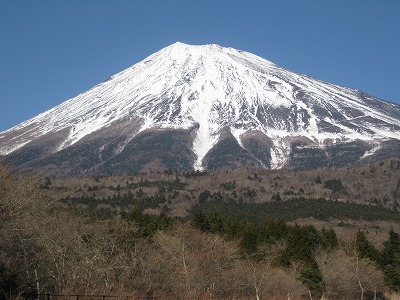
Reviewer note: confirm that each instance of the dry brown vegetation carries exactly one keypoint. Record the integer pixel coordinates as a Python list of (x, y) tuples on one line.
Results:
[(377, 184), (48, 246)]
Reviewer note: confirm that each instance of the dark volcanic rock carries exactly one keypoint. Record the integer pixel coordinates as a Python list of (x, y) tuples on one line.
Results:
[(154, 150)]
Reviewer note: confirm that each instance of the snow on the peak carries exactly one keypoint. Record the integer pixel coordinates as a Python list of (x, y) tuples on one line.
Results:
[(210, 87)]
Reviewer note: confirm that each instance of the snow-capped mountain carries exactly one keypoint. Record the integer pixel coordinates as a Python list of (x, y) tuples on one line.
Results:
[(206, 107)]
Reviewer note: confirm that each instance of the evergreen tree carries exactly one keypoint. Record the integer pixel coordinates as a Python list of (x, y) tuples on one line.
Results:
[(364, 249), (329, 239), (301, 243), (271, 231), (390, 261), (335, 185), (216, 223), (249, 240), (200, 220), (312, 278), (276, 197), (204, 196)]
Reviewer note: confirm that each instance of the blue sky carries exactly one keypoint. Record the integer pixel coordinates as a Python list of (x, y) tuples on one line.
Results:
[(52, 50)]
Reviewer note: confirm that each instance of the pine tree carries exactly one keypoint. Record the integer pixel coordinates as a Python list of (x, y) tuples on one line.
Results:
[(364, 249), (329, 239), (390, 261), (249, 240), (311, 277)]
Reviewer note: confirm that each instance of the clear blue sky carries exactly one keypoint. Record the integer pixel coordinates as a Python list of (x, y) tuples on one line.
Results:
[(52, 50)]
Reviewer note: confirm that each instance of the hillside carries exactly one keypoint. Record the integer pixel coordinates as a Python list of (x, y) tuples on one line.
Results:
[(116, 235), (376, 184)]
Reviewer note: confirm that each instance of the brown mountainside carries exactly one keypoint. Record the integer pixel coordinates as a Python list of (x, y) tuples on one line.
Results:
[(175, 193)]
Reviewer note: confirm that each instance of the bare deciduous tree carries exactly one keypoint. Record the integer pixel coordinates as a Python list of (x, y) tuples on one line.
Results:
[(347, 275)]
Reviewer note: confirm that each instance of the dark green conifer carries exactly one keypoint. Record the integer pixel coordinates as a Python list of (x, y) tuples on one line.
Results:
[(364, 249), (390, 261)]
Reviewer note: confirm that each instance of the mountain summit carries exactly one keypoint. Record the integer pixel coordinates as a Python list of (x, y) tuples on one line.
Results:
[(205, 107)]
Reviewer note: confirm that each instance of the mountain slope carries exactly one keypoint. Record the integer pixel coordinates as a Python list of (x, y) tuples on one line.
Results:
[(211, 94)]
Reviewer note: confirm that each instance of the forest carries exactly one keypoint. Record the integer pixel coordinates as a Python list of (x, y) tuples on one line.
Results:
[(202, 236)]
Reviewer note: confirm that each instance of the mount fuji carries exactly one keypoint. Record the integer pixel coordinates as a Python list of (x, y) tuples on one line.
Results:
[(205, 108)]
